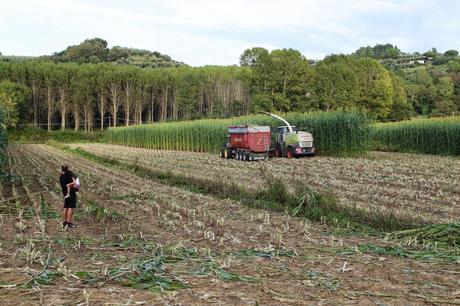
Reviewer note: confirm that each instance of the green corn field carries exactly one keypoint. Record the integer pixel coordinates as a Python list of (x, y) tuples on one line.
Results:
[(335, 133), (431, 136), (3, 140)]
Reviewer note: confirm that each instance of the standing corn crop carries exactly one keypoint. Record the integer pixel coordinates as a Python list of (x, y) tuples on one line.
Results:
[(335, 133), (3, 140), (432, 136)]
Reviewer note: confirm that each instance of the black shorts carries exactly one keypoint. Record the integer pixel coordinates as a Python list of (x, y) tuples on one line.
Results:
[(71, 202)]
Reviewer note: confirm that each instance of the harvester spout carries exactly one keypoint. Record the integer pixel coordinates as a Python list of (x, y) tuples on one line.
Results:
[(282, 119)]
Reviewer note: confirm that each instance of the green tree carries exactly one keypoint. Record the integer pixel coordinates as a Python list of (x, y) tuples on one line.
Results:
[(335, 84), (13, 98), (35, 82), (451, 53), (64, 75), (113, 77), (421, 90), (260, 62), (379, 51), (130, 80), (445, 88), (83, 96), (89, 51), (291, 77), (262, 102), (401, 108), (280, 80), (375, 87), (117, 53), (433, 53), (445, 93), (454, 66)]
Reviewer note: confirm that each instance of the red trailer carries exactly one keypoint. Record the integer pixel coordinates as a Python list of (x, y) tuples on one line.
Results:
[(247, 142)]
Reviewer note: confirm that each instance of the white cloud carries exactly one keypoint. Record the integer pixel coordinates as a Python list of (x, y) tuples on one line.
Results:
[(216, 32)]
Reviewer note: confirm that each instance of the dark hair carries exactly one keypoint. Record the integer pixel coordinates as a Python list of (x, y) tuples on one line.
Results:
[(65, 168)]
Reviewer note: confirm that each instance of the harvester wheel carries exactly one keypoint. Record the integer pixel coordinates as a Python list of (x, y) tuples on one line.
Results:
[(289, 153), (238, 155), (278, 152), (223, 151), (228, 153), (246, 156)]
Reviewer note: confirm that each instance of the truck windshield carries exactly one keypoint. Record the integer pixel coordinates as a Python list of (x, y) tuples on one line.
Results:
[(285, 129)]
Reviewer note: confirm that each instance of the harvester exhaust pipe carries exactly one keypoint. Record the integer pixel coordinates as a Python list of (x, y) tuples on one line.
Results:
[(282, 119)]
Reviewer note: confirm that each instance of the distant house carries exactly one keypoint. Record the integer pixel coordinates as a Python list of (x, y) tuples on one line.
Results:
[(415, 62), (427, 59)]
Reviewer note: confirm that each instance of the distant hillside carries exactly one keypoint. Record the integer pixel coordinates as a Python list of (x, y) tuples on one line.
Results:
[(393, 58), (432, 78), (96, 50)]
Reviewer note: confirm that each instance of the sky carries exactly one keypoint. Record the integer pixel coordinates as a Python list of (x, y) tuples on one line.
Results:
[(216, 32)]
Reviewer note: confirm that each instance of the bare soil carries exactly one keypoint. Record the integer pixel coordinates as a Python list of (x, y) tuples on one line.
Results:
[(236, 255)]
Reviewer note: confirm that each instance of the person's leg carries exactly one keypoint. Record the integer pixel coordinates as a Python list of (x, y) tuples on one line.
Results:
[(70, 215), (65, 215)]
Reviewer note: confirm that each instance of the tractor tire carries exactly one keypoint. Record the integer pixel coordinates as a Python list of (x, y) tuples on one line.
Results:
[(228, 153), (278, 152), (247, 156), (289, 153), (238, 154)]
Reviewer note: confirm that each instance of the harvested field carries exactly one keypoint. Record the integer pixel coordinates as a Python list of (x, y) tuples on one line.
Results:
[(139, 241), (421, 187)]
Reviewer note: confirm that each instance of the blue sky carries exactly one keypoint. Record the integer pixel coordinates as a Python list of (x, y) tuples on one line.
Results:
[(200, 32)]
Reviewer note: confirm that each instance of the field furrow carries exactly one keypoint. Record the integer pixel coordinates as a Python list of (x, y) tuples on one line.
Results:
[(222, 250), (407, 185)]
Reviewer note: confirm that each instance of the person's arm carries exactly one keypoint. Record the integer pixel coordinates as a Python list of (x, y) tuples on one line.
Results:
[(71, 184)]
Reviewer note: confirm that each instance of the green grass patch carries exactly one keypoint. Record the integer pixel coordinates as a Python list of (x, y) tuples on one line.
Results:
[(156, 272), (100, 213), (437, 235), (424, 254), (38, 135)]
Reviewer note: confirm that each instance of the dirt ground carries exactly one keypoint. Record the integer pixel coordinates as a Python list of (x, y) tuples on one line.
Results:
[(142, 242), (413, 185)]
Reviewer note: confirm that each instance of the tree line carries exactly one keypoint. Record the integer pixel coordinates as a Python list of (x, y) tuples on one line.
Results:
[(86, 95), (284, 80), (81, 88)]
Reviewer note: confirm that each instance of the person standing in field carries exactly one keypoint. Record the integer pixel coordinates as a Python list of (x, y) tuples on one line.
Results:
[(70, 202)]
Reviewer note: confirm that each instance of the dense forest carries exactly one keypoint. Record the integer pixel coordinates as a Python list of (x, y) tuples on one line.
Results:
[(90, 86)]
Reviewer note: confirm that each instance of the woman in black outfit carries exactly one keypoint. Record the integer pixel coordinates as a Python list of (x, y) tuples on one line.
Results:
[(70, 203)]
